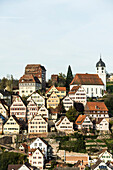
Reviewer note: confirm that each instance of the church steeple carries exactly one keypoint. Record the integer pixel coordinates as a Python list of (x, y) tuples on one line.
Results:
[(101, 70)]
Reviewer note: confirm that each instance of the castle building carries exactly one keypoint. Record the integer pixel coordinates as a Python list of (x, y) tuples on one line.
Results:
[(38, 71)]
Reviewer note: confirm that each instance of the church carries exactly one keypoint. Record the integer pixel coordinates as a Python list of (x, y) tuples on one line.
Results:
[(94, 84)]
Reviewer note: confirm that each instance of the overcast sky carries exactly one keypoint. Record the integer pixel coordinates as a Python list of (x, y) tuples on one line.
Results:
[(55, 33)]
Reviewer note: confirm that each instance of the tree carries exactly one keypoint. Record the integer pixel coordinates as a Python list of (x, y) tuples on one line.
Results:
[(79, 107), (7, 158), (109, 103), (71, 114), (62, 80), (69, 78), (61, 108)]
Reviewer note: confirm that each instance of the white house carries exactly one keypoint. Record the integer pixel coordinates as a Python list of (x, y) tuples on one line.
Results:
[(38, 99), (28, 84), (83, 121), (36, 158), (96, 110), (78, 94), (101, 124), (40, 143), (105, 156), (64, 125), (12, 126), (43, 111), (37, 125), (32, 109), (18, 108), (67, 102)]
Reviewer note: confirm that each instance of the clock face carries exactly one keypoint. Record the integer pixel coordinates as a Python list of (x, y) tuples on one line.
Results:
[(99, 64)]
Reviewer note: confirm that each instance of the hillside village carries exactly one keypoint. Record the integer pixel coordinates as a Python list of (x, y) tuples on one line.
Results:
[(65, 123)]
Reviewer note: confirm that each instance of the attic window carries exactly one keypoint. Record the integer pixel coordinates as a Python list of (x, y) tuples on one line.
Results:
[(96, 107)]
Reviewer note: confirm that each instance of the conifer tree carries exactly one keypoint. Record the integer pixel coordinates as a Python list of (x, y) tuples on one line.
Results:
[(69, 77)]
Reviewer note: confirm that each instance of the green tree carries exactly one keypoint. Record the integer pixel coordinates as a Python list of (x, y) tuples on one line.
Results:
[(109, 103), (69, 78), (71, 114), (7, 158), (62, 80)]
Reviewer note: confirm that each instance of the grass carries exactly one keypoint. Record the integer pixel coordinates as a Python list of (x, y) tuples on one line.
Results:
[(99, 141), (90, 141)]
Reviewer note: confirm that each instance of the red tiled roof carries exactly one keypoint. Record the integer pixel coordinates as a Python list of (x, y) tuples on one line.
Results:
[(29, 78), (96, 106), (61, 88), (74, 90), (87, 79), (80, 119), (58, 88)]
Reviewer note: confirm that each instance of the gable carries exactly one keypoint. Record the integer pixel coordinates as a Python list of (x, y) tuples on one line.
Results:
[(23, 167), (38, 118), (11, 120), (67, 98), (43, 109), (38, 140), (53, 89), (18, 101)]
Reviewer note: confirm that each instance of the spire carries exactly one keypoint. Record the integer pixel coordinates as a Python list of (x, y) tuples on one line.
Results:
[(100, 63)]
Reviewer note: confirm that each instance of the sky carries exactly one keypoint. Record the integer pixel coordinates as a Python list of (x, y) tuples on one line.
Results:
[(55, 34)]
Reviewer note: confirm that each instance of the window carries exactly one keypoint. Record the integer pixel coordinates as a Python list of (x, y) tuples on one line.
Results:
[(40, 144)]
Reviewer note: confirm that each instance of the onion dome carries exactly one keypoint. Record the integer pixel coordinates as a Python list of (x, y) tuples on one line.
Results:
[(100, 63)]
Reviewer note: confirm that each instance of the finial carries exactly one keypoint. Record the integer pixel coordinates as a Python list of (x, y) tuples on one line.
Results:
[(100, 55)]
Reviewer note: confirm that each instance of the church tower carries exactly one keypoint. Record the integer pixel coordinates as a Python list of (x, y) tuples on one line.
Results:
[(101, 71)]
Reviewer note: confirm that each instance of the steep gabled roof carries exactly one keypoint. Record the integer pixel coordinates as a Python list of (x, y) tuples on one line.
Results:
[(86, 79), (29, 78), (80, 119), (61, 119), (2, 101), (74, 90), (61, 88), (96, 164), (96, 106), (58, 88)]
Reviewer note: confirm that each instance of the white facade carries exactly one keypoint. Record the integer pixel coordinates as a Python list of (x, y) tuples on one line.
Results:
[(68, 102), (43, 112), (26, 89), (39, 143), (36, 159), (92, 90), (63, 124), (37, 125), (86, 123), (101, 71), (11, 126), (32, 109), (79, 96), (38, 99), (24, 167), (106, 156), (103, 125), (18, 109)]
